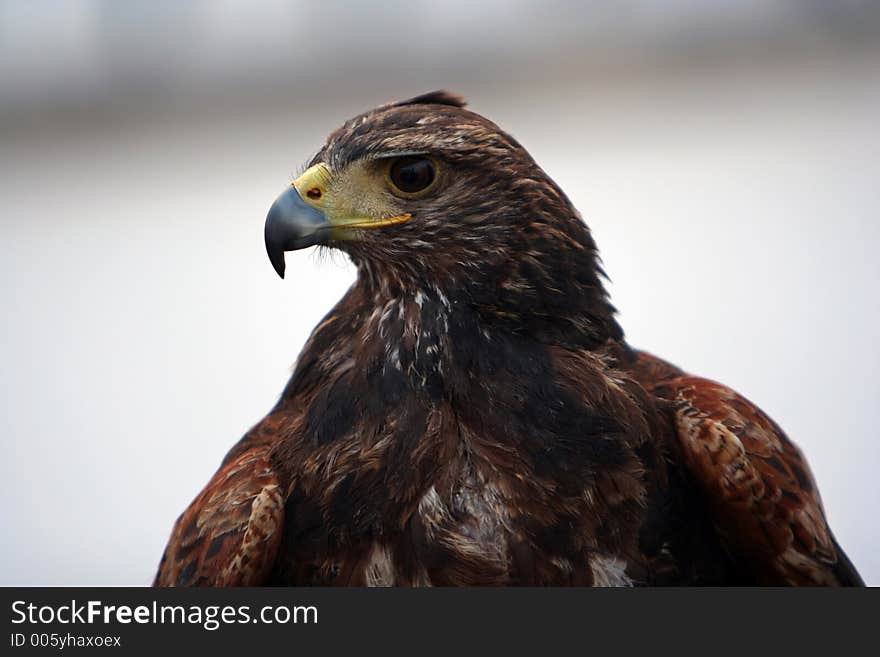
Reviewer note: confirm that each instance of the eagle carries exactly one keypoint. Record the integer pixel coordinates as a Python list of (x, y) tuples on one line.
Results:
[(470, 412)]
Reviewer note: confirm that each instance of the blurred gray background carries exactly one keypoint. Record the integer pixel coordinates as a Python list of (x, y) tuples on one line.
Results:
[(725, 155)]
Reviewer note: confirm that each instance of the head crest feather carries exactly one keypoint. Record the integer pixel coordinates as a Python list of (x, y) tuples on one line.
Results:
[(439, 97)]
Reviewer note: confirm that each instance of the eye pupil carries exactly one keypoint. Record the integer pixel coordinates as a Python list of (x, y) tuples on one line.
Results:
[(412, 174)]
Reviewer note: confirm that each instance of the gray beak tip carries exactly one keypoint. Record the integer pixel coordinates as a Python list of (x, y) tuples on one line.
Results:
[(278, 264), (290, 225), (274, 250)]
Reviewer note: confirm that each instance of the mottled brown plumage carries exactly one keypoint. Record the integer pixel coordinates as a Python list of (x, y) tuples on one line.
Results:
[(470, 412)]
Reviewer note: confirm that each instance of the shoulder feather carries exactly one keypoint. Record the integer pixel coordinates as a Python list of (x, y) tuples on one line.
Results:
[(229, 535)]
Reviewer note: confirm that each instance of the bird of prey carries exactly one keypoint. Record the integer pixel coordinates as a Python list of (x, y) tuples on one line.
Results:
[(470, 413)]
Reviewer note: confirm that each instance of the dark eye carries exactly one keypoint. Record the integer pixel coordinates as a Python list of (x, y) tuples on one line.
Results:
[(411, 175)]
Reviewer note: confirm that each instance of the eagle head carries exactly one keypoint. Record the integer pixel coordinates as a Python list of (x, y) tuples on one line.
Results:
[(424, 193)]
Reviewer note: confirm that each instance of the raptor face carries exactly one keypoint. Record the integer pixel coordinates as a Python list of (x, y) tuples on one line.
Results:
[(421, 184), (426, 194)]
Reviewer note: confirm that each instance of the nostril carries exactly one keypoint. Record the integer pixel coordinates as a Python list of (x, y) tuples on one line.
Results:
[(314, 193)]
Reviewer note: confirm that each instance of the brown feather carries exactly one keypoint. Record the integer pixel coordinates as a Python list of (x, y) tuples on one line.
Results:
[(756, 481), (230, 533)]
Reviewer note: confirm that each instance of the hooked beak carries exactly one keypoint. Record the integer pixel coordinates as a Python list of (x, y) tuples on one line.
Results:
[(292, 224), (302, 217)]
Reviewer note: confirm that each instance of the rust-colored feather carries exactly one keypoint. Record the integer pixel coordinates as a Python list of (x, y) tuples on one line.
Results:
[(765, 503), (230, 533)]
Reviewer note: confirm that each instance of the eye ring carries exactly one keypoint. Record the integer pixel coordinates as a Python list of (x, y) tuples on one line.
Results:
[(412, 176)]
